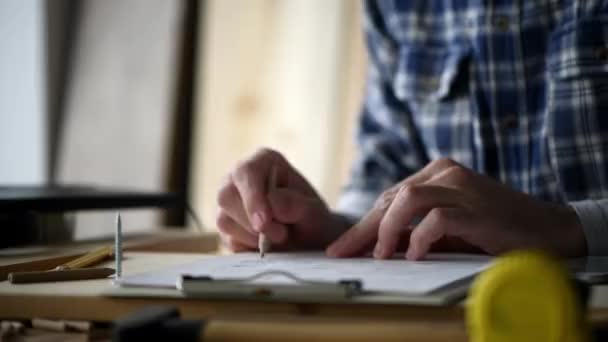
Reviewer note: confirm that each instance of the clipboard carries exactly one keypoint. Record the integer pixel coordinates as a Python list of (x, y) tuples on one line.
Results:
[(255, 289), (239, 277)]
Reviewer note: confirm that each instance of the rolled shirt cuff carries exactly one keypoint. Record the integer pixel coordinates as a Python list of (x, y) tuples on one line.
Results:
[(593, 215)]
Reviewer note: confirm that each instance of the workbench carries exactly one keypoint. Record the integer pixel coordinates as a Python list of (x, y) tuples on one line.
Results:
[(237, 320)]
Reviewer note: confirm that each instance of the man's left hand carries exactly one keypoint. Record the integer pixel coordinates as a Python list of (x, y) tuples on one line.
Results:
[(456, 203)]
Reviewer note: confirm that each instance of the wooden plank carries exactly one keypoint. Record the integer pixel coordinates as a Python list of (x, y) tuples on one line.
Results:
[(119, 103), (328, 330), (179, 243), (277, 80), (36, 265), (351, 85)]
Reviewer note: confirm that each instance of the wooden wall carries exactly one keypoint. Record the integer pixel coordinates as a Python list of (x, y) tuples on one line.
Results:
[(286, 74), (120, 102)]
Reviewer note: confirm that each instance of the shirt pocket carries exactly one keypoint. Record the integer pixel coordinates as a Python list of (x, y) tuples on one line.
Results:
[(577, 121), (579, 50), (427, 73)]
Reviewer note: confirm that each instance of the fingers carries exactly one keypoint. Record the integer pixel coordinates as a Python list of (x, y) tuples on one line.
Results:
[(357, 239), (233, 234), (430, 173), (251, 180), (455, 177), (410, 202), (231, 205), (430, 170), (435, 186), (235, 246), (439, 222), (230, 201), (363, 234), (308, 218), (236, 237)]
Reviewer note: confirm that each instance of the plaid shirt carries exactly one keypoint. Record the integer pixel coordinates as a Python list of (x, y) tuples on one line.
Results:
[(517, 90)]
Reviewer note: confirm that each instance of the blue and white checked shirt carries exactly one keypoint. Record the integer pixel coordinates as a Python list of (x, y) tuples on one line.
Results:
[(517, 90)]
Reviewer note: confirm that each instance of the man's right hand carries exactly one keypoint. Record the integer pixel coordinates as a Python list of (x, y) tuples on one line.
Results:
[(292, 214)]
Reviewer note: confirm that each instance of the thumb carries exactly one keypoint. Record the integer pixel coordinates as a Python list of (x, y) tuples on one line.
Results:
[(290, 206)]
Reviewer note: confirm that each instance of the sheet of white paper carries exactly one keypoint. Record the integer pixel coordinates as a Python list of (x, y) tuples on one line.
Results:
[(395, 275)]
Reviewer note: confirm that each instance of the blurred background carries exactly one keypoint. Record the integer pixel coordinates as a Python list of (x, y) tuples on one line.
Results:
[(167, 95)]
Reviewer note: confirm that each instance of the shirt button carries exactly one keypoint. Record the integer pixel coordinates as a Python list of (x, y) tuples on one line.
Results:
[(502, 23), (510, 122)]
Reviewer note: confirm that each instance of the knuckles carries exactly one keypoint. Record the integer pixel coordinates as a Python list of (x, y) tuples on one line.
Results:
[(452, 168), (444, 163), (385, 199), (244, 172), (452, 171), (459, 174), (409, 192), (245, 168), (265, 152)]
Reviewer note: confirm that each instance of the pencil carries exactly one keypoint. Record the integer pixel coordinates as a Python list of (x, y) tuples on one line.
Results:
[(263, 244), (263, 241), (59, 275), (118, 246), (88, 259)]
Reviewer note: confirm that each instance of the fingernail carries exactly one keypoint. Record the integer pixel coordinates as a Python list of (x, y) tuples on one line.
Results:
[(378, 251), (258, 220)]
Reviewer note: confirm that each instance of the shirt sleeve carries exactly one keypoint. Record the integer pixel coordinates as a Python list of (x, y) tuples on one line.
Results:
[(593, 215), (388, 145)]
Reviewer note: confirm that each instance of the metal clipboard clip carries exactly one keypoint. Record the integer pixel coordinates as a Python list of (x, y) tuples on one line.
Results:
[(247, 288)]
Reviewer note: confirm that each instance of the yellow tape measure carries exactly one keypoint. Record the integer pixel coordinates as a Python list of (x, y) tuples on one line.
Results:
[(525, 296)]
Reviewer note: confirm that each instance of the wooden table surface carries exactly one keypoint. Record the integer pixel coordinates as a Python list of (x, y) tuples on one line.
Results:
[(236, 320)]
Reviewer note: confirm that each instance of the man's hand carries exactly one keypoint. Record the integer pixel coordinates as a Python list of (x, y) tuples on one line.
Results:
[(455, 203), (290, 213)]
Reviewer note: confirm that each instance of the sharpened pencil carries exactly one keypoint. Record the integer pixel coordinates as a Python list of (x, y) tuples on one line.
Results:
[(263, 241)]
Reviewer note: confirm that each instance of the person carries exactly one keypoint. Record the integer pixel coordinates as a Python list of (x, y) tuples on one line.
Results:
[(484, 128)]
